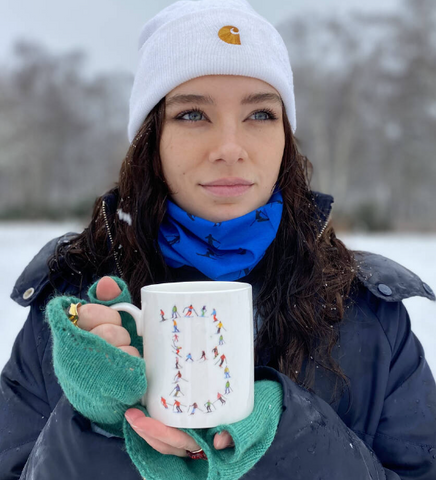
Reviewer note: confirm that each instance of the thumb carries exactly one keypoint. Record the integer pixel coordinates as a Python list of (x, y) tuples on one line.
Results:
[(133, 415), (107, 289)]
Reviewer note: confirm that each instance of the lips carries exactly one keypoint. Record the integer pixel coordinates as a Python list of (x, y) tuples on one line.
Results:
[(227, 187), (231, 181)]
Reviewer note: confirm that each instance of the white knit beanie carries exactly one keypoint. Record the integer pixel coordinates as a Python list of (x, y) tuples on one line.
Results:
[(192, 38)]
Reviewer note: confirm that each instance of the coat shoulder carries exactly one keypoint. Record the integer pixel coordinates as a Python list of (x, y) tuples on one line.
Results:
[(389, 280), (35, 276)]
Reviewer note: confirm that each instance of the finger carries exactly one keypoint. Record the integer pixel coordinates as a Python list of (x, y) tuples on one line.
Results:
[(107, 289), (223, 440), (162, 447), (156, 430), (131, 351), (91, 315), (113, 334)]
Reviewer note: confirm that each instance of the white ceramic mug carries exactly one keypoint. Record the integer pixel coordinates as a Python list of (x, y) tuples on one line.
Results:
[(198, 351)]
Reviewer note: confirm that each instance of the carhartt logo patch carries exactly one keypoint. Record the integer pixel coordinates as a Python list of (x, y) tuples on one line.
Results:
[(230, 34)]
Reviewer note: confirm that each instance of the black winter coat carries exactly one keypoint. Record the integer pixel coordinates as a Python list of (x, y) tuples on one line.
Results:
[(384, 427)]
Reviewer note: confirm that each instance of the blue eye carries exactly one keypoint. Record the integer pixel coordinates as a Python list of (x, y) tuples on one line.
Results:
[(266, 111), (265, 114), (196, 115)]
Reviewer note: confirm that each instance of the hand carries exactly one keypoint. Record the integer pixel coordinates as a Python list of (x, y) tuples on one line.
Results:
[(169, 440), (104, 321)]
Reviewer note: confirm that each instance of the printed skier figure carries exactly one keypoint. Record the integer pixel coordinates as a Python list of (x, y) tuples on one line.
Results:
[(177, 350), (221, 340), (176, 330), (209, 404), (178, 366), (174, 313), (220, 397), (175, 338), (162, 316), (219, 327), (203, 356), (210, 240), (215, 352), (222, 360), (194, 407), (227, 372), (189, 312), (177, 389), (227, 389), (178, 376), (209, 254), (163, 402), (203, 311), (189, 357), (260, 217), (177, 405), (174, 239)]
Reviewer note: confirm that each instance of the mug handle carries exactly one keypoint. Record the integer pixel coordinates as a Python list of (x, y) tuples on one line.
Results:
[(132, 310)]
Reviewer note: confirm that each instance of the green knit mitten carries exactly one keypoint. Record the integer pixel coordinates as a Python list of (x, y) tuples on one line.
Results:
[(100, 380), (252, 436)]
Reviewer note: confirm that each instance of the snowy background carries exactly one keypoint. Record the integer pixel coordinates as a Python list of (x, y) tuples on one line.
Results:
[(20, 241)]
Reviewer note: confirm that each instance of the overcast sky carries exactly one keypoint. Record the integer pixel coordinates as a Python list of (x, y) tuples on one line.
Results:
[(108, 29)]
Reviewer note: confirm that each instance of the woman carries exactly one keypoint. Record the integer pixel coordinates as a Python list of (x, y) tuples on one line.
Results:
[(343, 389)]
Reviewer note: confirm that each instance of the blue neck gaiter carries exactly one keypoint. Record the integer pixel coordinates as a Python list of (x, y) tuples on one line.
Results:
[(222, 251)]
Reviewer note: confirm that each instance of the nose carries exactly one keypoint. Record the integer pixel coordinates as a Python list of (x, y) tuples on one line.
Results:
[(228, 147)]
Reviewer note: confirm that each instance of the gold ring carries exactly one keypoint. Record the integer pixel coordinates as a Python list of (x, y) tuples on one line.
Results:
[(73, 313)]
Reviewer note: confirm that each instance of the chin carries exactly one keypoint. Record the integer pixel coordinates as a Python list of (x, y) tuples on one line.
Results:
[(222, 213)]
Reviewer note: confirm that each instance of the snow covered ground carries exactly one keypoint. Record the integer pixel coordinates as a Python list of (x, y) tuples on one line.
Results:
[(19, 242)]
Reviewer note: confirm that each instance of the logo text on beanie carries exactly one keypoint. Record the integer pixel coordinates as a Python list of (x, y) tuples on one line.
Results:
[(230, 34)]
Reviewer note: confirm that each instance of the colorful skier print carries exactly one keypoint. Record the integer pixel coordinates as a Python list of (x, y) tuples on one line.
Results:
[(219, 358), (190, 309), (177, 405), (177, 390), (209, 404), (177, 350), (219, 327), (194, 407), (203, 356), (221, 398), (178, 377), (222, 359)]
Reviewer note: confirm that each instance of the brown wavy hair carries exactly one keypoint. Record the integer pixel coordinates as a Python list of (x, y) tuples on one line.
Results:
[(306, 274)]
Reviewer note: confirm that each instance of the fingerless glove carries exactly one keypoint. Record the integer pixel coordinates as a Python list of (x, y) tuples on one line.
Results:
[(252, 436), (99, 380)]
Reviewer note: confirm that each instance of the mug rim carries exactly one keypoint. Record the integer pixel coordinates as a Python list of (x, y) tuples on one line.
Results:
[(160, 287)]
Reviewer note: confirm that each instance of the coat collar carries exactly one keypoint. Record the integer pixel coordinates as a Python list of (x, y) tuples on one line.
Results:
[(323, 202)]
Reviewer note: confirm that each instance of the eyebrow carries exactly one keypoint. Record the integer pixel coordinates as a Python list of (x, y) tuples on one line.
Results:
[(254, 98)]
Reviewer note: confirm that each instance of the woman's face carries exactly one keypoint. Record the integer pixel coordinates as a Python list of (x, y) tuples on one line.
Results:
[(222, 145)]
